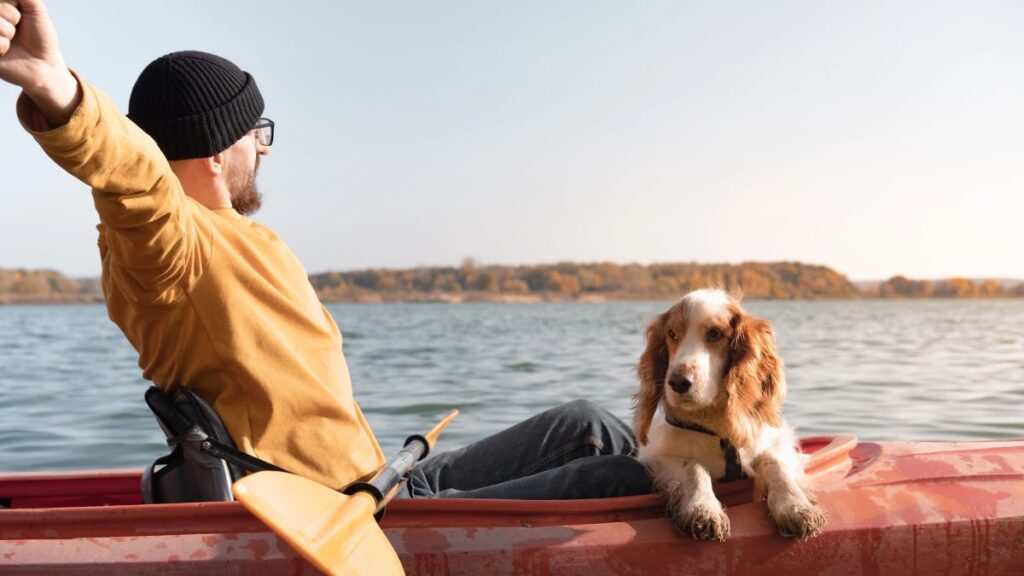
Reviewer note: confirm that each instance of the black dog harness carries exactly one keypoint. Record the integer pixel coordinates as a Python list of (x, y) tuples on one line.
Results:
[(733, 467)]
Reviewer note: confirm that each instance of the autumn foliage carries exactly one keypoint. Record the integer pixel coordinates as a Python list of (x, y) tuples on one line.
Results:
[(562, 281), (956, 287), (46, 286), (571, 280)]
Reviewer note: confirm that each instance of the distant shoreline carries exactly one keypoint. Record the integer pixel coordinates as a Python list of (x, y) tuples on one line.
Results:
[(460, 298), (23, 299), (561, 282)]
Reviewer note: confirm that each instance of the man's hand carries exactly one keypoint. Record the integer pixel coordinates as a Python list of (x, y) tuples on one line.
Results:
[(30, 58)]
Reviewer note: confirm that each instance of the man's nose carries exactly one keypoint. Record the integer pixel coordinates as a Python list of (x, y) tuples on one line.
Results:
[(681, 384)]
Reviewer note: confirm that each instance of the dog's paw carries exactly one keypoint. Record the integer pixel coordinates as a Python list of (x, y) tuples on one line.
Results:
[(702, 522), (797, 520)]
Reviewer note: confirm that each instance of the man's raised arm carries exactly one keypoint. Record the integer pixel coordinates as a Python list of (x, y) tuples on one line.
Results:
[(30, 58), (150, 235)]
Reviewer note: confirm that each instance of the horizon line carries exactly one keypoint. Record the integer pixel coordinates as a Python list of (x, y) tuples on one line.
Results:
[(476, 264)]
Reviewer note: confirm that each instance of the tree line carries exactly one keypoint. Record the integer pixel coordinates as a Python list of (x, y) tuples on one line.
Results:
[(568, 280), (562, 281), (20, 285), (956, 287)]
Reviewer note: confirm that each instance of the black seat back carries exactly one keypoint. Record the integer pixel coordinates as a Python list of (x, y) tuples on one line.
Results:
[(190, 473)]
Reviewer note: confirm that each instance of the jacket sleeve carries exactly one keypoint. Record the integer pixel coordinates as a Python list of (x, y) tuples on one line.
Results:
[(157, 239)]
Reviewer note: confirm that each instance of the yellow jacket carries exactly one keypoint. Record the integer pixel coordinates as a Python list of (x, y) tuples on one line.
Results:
[(213, 301)]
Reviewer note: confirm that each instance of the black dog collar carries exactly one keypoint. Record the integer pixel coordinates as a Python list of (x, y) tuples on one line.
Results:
[(733, 467)]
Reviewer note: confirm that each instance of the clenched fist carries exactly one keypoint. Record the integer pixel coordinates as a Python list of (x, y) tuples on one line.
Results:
[(9, 18), (30, 58)]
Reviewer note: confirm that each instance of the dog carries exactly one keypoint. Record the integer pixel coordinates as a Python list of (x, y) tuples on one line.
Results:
[(708, 408)]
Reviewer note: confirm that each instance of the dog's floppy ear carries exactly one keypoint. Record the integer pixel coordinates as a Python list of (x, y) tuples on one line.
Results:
[(651, 373), (755, 380)]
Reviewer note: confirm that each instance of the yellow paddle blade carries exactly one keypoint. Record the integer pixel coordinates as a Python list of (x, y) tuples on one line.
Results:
[(333, 531), (433, 434)]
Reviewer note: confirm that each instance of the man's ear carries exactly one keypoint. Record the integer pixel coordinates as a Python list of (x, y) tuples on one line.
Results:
[(216, 164)]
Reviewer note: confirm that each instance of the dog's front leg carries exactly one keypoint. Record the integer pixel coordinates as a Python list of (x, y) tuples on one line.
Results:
[(691, 501), (792, 513)]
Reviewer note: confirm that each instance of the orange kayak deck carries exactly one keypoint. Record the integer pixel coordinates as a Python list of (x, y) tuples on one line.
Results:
[(893, 508)]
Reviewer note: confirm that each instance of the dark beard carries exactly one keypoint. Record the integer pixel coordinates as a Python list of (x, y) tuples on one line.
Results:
[(245, 198)]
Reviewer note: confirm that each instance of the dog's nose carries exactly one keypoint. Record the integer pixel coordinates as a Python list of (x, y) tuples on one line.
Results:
[(680, 384)]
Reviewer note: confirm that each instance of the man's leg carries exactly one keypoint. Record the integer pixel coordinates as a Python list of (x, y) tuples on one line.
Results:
[(532, 460), (587, 477)]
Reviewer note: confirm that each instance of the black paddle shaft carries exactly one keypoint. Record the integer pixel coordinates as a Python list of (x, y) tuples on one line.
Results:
[(383, 486)]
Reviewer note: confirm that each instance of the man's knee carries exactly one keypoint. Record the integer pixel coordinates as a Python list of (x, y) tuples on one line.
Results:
[(597, 426), (582, 409), (581, 404)]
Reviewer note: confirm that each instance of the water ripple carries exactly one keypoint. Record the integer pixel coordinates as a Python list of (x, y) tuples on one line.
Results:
[(71, 391)]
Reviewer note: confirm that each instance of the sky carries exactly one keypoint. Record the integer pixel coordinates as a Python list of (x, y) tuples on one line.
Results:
[(877, 138)]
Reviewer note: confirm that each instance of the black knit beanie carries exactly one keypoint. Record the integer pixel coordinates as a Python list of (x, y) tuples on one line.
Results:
[(194, 104)]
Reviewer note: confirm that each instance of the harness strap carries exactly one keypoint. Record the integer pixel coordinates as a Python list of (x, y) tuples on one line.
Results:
[(237, 457), (733, 466)]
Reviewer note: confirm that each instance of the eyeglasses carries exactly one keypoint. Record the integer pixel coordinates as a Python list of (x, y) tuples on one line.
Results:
[(264, 131)]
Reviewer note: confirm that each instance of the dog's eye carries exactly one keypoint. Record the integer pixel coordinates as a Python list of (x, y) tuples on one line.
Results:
[(713, 335), (672, 335)]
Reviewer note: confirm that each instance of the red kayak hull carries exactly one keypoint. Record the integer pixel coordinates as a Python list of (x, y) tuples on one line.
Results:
[(893, 508)]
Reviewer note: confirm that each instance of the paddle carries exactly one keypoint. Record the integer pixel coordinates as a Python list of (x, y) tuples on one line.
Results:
[(336, 532)]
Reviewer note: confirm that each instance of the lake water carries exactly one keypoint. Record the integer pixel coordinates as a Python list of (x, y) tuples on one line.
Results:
[(71, 393)]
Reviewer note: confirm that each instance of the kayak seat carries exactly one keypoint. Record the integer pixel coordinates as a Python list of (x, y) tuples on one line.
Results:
[(203, 463)]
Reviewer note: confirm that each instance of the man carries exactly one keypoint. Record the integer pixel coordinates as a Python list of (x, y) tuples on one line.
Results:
[(217, 302)]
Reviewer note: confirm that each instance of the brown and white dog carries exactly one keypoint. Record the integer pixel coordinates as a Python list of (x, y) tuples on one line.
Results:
[(710, 382)]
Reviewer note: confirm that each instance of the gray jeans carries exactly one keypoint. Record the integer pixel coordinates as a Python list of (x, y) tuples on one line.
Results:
[(576, 450)]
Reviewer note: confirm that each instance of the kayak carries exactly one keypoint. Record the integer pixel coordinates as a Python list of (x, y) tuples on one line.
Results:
[(892, 507)]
